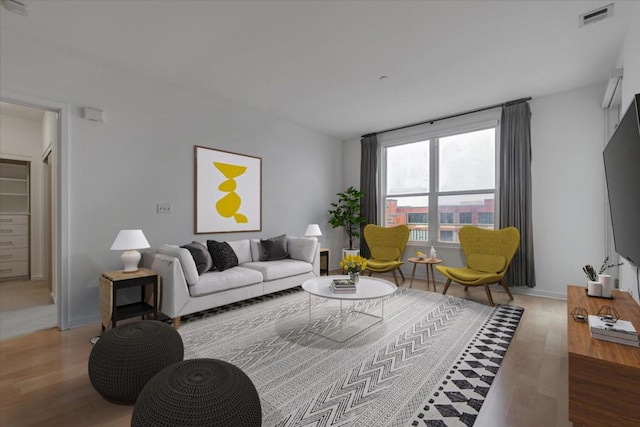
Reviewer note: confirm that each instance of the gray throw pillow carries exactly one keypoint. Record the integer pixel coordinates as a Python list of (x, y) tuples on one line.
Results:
[(274, 248), (201, 256), (222, 254)]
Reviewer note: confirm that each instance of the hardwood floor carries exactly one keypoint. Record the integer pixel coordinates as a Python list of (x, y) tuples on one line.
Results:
[(44, 381)]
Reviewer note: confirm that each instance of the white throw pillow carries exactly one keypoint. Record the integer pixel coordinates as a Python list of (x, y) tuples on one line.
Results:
[(302, 248), (242, 250), (186, 261)]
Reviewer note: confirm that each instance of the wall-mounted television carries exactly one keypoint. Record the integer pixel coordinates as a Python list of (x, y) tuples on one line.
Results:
[(622, 170)]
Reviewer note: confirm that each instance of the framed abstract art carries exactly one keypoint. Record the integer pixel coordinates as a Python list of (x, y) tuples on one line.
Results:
[(228, 191)]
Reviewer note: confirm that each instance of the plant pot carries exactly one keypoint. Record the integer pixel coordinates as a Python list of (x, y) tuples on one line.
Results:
[(594, 289), (607, 285)]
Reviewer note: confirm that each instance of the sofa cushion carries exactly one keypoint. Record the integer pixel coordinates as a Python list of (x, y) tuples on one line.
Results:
[(186, 261), (302, 248), (274, 248), (242, 250), (217, 281), (223, 256), (201, 256), (272, 270)]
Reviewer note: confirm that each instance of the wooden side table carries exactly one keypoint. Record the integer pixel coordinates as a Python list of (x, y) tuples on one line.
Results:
[(428, 263), (324, 261), (111, 282)]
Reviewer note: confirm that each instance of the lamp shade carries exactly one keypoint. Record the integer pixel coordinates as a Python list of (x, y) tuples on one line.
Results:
[(313, 230), (129, 239)]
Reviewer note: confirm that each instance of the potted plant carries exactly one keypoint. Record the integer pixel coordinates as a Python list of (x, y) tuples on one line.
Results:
[(346, 214), (599, 284)]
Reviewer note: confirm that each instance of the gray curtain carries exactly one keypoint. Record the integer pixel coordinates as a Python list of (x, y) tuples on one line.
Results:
[(515, 189), (368, 171)]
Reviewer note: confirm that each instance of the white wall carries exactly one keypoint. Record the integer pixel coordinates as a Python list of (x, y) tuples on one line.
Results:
[(630, 60), (143, 154), (567, 131), (21, 139)]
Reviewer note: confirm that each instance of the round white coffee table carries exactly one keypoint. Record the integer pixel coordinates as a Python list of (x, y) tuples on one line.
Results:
[(367, 288)]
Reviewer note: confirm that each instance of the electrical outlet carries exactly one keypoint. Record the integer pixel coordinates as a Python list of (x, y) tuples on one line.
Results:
[(164, 208)]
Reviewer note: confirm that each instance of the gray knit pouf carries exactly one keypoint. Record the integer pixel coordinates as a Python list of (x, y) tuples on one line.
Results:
[(198, 392), (125, 358)]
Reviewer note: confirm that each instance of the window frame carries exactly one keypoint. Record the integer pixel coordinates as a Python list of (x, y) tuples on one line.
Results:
[(433, 132)]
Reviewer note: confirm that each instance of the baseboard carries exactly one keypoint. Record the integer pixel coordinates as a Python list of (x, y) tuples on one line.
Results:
[(537, 292), (85, 321), (37, 277), (53, 298)]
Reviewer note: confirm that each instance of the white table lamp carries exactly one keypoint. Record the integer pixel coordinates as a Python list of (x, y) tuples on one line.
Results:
[(313, 231), (128, 241)]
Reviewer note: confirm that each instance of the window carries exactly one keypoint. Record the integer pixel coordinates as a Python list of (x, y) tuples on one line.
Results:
[(485, 217), (465, 218), (446, 217), (446, 236), (437, 180), (417, 218)]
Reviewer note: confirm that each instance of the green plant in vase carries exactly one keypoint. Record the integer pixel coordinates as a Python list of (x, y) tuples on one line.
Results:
[(346, 213)]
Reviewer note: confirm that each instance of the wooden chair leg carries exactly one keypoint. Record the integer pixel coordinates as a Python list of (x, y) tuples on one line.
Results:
[(370, 273), (395, 277), (486, 288), (176, 323), (466, 289), (400, 270), (506, 288), (446, 287)]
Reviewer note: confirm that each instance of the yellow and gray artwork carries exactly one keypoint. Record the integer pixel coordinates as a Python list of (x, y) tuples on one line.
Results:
[(228, 191)]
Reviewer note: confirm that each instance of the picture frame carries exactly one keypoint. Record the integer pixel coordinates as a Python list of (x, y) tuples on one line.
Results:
[(228, 191)]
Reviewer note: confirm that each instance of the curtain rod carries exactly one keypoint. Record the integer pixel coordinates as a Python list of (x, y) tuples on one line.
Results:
[(432, 121)]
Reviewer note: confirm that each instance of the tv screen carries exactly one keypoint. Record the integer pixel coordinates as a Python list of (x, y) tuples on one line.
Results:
[(622, 170)]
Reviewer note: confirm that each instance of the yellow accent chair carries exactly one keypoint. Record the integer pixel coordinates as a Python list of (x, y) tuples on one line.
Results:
[(488, 254), (387, 247)]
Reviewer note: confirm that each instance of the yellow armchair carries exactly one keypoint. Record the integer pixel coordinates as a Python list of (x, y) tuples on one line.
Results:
[(387, 247), (488, 254)]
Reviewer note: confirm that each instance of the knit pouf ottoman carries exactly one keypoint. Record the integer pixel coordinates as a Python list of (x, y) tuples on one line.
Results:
[(125, 358), (198, 392)]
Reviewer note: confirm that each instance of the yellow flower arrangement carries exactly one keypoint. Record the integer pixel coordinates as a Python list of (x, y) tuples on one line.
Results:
[(353, 263)]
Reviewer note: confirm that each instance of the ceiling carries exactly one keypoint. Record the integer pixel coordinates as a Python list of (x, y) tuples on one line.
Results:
[(318, 63)]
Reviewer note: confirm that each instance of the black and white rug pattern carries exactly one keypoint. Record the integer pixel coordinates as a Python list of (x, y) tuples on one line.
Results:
[(458, 399), (430, 362)]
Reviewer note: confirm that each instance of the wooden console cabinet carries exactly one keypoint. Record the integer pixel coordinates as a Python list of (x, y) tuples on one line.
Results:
[(604, 377)]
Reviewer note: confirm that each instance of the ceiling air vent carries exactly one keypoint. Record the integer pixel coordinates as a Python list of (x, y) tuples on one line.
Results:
[(596, 15)]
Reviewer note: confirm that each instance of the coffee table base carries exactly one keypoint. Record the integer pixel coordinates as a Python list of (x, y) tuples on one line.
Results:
[(346, 327)]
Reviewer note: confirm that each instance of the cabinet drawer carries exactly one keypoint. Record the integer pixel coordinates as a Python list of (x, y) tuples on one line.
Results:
[(16, 229), (13, 269), (13, 219), (9, 241), (13, 254)]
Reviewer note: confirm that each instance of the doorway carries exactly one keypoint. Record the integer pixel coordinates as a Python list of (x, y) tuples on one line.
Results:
[(28, 139)]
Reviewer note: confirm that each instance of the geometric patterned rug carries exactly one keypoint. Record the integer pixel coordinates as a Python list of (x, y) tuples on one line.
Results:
[(430, 362)]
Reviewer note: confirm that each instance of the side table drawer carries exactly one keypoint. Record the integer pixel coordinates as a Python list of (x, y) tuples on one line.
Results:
[(13, 254), (16, 229), (10, 241), (14, 269), (13, 219)]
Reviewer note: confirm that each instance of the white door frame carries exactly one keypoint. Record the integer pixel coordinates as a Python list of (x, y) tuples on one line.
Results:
[(60, 197)]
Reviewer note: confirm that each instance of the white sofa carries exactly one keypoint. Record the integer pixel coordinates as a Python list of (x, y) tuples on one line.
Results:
[(184, 291)]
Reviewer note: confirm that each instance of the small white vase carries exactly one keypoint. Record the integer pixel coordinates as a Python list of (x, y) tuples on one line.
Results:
[(594, 289), (607, 284)]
